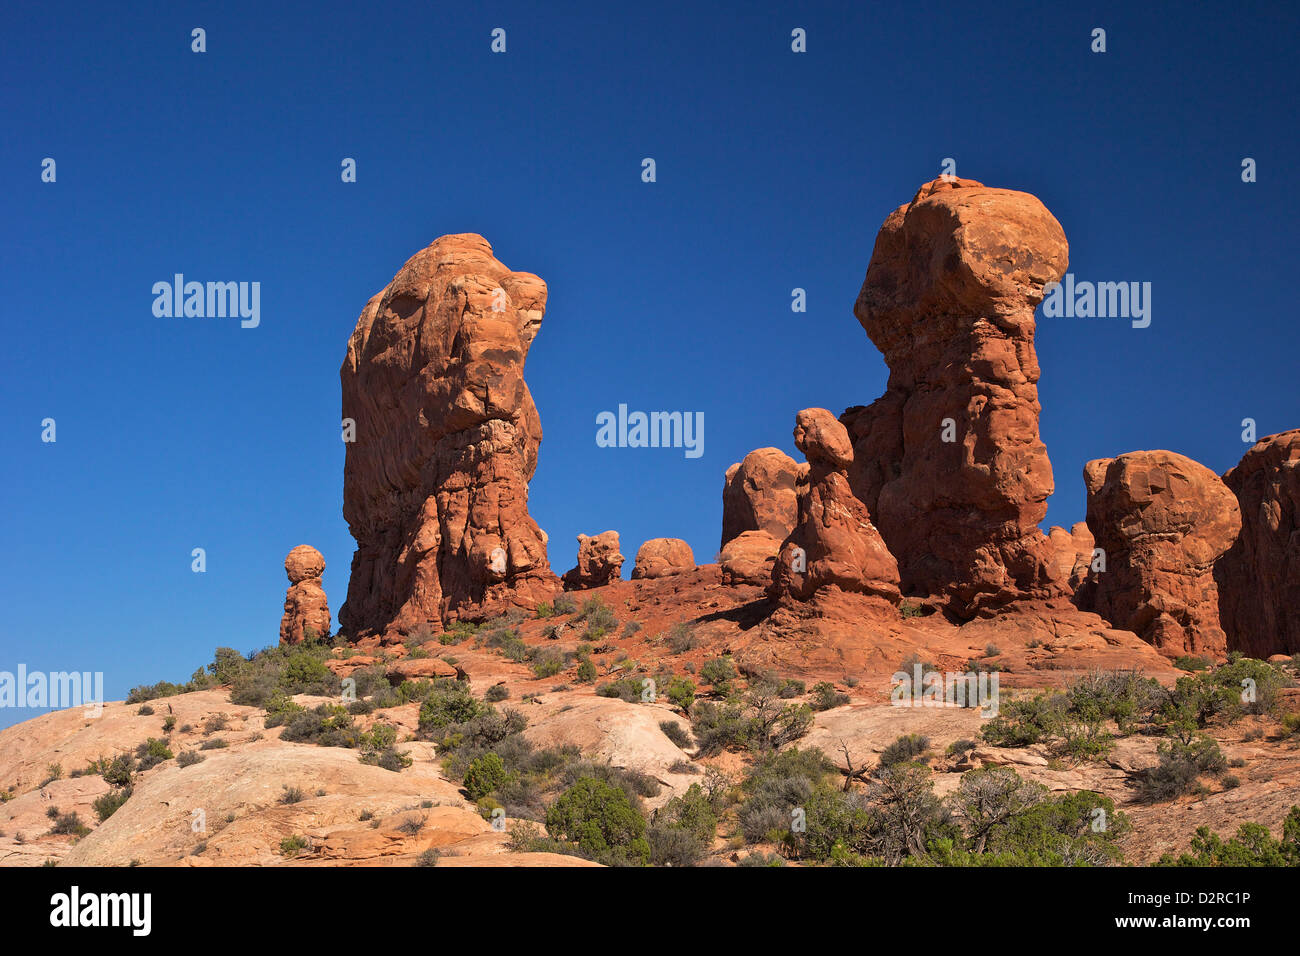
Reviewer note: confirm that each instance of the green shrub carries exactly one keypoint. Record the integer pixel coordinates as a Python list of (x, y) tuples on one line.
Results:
[(189, 758), (680, 639), (107, 805), (601, 822), (676, 733), (905, 749), (1252, 846), (485, 774), (151, 753), (826, 697), (293, 845), (718, 672), (496, 693), (68, 824), (1178, 767)]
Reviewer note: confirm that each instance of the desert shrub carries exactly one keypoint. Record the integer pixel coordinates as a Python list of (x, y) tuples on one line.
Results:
[(429, 857), (564, 604), (628, 689), (227, 664), (1024, 722), (144, 711), (1253, 845), (118, 771), (293, 845), (683, 829), (327, 725), (1178, 767), (169, 724), (151, 753), (68, 824), (676, 733), (761, 859), (680, 692), (496, 693), (547, 662), (108, 804), (601, 822), (189, 758), (586, 671), (718, 672), (905, 749), (960, 747), (826, 697), (485, 774), (598, 616), (145, 692), (680, 639), (213, 743), (449, 702), (774, 786), (1123, 696), (1187, 662)]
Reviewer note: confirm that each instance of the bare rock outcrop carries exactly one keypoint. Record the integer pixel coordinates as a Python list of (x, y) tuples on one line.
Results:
[(759, 495), (949, 461), (1072, 553), (599, 561), (435, 487), (1162, 521), (660, 557), (1259, 576), (834, 543), (305, 606)]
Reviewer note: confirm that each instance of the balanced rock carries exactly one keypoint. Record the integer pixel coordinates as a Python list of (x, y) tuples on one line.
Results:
[(834, 543), (1259, 576), (599, 561), (1161, 521), (660, 557), (306, 611), (949, 461), (759, 495), (446, 435), (748, 558)]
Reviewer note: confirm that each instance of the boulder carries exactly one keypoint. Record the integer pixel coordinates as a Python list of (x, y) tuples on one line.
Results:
[(660, 557), (748, 558), (759, 495), (1161, 521)]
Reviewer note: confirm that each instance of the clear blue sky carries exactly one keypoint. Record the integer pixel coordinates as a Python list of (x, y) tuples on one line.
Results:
[(775, 171)]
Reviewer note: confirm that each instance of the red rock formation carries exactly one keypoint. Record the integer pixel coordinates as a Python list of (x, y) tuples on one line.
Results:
[(748, 558), (1162, 521), (838, 545), (435, 488), (599, 561), (949, 299), (1259, 576), (1071, 555), (759, 495), (305, 606), (660, 557)]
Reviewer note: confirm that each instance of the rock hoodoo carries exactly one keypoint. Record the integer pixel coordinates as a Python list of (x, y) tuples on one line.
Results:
[(1259, 576), (663, 556), (435, 487), (1162, 521), (759, 495), (305, 607), (599, 561), (949, 461), (834, 543)]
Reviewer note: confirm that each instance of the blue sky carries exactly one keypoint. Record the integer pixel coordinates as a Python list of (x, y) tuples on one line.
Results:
[(775, 171)]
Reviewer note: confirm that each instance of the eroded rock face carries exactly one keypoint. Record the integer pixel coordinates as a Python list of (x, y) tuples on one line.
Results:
[(305, 606), (949, 299), (834, 543), (660, 557), (435, 488), (1162, 521), (599, 561), (1071, 555), (1259, 576), (759, 495)]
